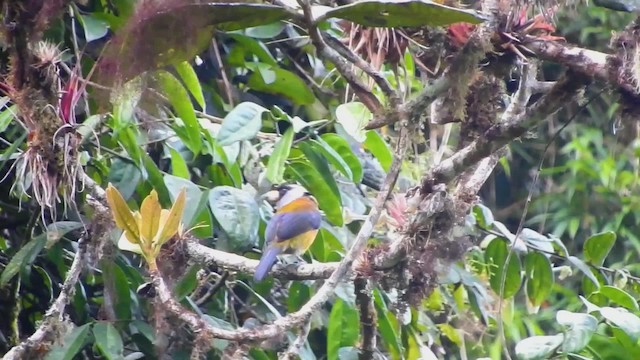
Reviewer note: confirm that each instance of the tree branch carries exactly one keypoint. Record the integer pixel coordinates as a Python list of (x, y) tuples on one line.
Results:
[(368, 318)]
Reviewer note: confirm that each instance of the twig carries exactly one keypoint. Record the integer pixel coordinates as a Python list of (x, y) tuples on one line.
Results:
[(295, 347), (359, 62), (360, 88), (368, 318)]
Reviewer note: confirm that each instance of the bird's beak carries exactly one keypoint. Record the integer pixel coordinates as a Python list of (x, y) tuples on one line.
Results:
[(271, 196)]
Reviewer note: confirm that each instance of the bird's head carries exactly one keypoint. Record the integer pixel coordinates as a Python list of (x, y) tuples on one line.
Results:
[(282, 195)]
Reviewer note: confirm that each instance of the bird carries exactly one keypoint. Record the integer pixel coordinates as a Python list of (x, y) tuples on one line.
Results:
[(293, 227)]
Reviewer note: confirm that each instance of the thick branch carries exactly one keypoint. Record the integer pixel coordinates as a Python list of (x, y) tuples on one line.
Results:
[(232, 262), (592, 63), (504, 132), (368, 318)]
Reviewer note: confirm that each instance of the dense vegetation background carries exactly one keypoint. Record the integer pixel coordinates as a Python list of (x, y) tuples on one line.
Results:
[(478, 176)]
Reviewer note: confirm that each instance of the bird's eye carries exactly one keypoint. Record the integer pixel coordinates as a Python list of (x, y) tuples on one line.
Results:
[(306, 193)]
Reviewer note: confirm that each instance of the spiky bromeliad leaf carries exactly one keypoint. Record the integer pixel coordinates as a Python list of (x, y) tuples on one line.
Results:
[(401, 13)]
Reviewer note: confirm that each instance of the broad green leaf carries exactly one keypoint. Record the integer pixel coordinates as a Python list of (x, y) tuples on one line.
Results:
[(496, 257), (320, 164), (187, 283), (580, 329), (108, 340), (265, 31), (625, 320), (353, 117), (125, 177), (275, 80), (539, 277), (7, 116), (178, 165), (341, 146), (275, 167), (156, 179), (194, 194), (163, 38), (71, 344), (483, 216), (313, 181), (538, 347), (299, 294), (237, 213), (597, 247), (181, 102), (386, 327), (401, 13), (379, 148), (116, 278), (619, 297), (191, 82), (342, 329), (585, 270), (22, 259), (333, 157), (326, 247), (94, 28), (619, 5), (242, 123), (247, 46)]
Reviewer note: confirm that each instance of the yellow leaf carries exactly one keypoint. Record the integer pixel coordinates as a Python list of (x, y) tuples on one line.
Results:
[(150, 213), (171, 220), (122, 214)]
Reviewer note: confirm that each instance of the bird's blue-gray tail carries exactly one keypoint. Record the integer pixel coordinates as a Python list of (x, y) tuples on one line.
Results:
[(266, 262)]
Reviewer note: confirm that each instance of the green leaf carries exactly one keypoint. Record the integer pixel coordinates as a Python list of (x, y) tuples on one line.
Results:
[(401, 13), (585, 270), (619, 297), (313, 181), (386, 327), (275, 80), (7, 116), (187, 283), (237, 213), (625, 320), (483, 216), (320, 164), (619, 5), (191, 82), (580, 329), (342, 329), (155, 178), (194, 195), (265, 31), (275, 167), (538, 347), (27, 254), (122, 301), (496, 256), (245, 46), (539, 277), (326, 247), (108, 340), (242, 123), (333, 157), (71, 344), (94, 28), (598, 246), (353, 117), (341, 146), (379, 148), (178, 165), (181, 102), (299, 294)]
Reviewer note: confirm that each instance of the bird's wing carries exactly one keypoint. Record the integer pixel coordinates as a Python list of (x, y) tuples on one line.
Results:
[(285, 226)]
